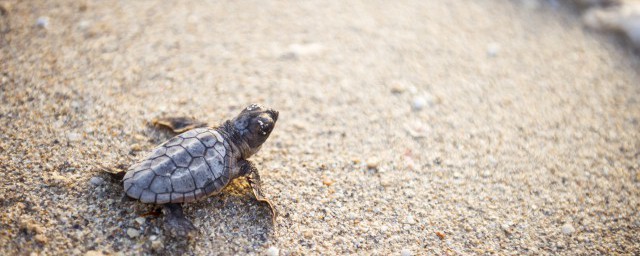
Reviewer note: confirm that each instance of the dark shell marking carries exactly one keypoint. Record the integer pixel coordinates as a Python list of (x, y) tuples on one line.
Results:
[(188, 167)]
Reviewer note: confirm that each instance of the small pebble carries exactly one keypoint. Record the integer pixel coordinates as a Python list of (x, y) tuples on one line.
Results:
[(96, 181), (441, 235), (74, 137), (5, 7), (308, 234), (406, 252), (42, 22), (305, 49), (132, 232), (493, 49), (157, 245), (273, 251), (327, 182), (372, 163), (136, 147), (83, 25), (40, 238), (398, 88), (568, 229), (93, 253), (418, 103), (410, 220), (140, 220)]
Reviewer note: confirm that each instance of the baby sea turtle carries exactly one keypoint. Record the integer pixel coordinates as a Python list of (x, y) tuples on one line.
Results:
[(200, 162)]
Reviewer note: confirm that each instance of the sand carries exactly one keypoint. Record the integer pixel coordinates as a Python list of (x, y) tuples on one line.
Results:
[(406, 128)]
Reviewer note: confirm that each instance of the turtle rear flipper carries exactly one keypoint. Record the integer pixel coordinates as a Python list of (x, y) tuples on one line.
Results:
[(178, 124), (115, 173), (175, 222)]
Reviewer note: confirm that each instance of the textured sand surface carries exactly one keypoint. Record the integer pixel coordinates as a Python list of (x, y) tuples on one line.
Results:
[(411, 127)]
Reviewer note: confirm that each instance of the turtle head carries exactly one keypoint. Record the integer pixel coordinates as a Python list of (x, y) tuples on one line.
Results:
[(254, 125)]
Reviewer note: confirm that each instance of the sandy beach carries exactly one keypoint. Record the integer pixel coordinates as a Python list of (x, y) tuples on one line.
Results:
[(405, 128)]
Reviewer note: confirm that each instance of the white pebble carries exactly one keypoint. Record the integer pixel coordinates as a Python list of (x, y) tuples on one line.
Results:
[(42, 22), (83, 25), (74, 136), (568, 229), (410, 220), (131, 232), (406, 252), (306, 49), (418, 103), (96, 181), (273, 251), (493, 49), (140, 220)]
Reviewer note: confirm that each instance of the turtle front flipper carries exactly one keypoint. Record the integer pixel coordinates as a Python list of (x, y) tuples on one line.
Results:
[(253, 177), (175, 222), (178, 124)]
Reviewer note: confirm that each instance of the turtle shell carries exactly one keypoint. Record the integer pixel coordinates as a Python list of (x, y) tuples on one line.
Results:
[(189, 166)]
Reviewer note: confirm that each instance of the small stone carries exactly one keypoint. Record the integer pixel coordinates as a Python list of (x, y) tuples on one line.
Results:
[(93, 253), (157, 244), (352, 215), (372, 163), (418, 103), (5, 8), (140, 220), (406, 252), (492, 160), (327, 182), (40, 238), (493, 49), (410, 220), (398, 88), (308, 234), (384, 228), (96, 181), (568, 229), (42, 22), (74, 137), (273, 251), (136, 147), (305, 49), (441, 235), (132, 232)]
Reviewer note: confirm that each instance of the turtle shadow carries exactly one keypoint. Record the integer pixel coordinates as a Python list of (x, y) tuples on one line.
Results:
[(233, 215)]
